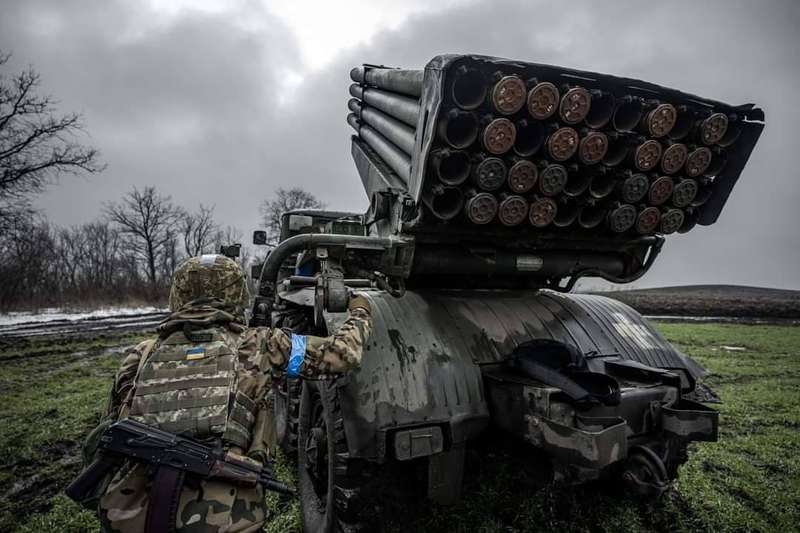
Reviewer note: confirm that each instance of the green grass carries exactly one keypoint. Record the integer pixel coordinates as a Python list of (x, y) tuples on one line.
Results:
[(52, 393), (749, 481)]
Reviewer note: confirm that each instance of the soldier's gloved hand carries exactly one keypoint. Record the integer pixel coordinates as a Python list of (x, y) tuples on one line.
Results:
[(358, 301)]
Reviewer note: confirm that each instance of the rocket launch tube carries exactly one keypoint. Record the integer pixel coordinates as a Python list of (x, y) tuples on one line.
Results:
[(391, 79), (400, 107), (394, 130), (444, 202), (391, 154)]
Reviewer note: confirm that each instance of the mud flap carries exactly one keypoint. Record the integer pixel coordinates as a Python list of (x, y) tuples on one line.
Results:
[(593, 445), (690, 421)]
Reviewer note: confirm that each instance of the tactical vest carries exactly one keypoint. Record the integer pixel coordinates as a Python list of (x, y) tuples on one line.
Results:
[(188, 385)]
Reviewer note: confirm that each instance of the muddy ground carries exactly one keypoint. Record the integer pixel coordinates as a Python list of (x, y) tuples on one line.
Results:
[(54, 388)]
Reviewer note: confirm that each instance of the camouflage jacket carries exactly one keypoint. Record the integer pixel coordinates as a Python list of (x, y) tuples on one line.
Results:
[(323, 356), (262, 348), (208, 505)]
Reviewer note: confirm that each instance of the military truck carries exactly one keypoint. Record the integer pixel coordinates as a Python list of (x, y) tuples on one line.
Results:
[(494, 186)]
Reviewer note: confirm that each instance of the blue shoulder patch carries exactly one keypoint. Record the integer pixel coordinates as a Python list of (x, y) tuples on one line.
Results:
[(297, 356)]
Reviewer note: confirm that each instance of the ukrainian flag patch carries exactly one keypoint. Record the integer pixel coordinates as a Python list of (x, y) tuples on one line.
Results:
[(195, 353)]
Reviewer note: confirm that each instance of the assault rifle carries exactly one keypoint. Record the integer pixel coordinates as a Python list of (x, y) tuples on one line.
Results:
[(129, 439)]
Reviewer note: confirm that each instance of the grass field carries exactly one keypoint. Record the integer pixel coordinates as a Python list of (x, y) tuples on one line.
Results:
[(53, 392)]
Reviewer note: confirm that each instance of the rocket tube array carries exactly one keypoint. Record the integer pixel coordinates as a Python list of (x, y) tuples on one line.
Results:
[(513, 151)]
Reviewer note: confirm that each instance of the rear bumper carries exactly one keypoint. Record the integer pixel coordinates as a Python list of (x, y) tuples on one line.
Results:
[(583, 444)]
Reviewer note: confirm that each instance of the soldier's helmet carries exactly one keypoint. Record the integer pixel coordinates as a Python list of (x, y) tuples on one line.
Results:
[(208, 276)]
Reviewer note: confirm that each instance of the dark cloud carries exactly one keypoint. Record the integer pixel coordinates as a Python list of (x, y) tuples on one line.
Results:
[(197, 105)]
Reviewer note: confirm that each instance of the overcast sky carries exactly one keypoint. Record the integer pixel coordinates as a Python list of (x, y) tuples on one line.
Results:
[(221, 101)]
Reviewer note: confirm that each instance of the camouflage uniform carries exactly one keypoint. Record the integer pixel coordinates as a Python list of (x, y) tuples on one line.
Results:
[(209, 293)]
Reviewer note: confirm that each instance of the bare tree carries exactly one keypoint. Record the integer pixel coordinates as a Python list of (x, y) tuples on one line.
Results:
[(148, 218), (71, 250), (199, 230), (27, 263), (285, 200), (36, 143), (102, 261)]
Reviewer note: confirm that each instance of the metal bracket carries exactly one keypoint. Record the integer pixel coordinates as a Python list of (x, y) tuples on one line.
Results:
[(445, 475)]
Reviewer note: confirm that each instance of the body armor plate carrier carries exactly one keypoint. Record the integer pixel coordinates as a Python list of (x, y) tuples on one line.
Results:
[(189, 386)]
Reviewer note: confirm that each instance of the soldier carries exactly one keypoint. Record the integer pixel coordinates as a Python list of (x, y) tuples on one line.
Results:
[(207, 376)]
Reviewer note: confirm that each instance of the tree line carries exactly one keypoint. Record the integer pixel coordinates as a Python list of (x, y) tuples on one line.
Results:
[(127, 254)]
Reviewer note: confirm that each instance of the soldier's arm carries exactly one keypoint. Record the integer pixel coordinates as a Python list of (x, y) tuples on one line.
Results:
[(311, 356), (252, 350), (122, 388)]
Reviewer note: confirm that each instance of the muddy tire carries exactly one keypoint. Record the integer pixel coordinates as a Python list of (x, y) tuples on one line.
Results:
[(332, 487), (287, 410)]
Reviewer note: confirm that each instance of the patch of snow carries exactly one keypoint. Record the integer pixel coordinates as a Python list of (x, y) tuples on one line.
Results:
[(56, 314)]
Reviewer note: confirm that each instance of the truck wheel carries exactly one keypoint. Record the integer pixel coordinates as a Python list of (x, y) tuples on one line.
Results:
[(287, 408), (332, 487)]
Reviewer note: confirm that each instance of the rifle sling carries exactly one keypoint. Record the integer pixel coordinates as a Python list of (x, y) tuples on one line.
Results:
[(162, 507)]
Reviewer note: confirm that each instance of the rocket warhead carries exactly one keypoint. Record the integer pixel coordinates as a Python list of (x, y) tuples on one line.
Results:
[(542, 211), (512, 210), (671, 221), (647, 155), (507, 96), (633, 188), (647, 220), (593, 147), (543, 100), (562, 144), (499, 135), (660, 190), (622, 218), (674, 158), (522, 176), (575, 105), (552, 179), (684, 193), (713, 128), (698, 161), (490, 173), (660, 120), (480, 207)]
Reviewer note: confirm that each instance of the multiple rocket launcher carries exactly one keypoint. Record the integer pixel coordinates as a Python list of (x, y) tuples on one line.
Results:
[(516, 149)]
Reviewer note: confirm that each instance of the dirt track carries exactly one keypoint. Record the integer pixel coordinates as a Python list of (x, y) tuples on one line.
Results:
[(713, 301), (700, 303), (127, 322)]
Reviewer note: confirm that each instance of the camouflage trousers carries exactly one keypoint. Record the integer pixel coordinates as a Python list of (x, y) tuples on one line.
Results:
[(205, 506)]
